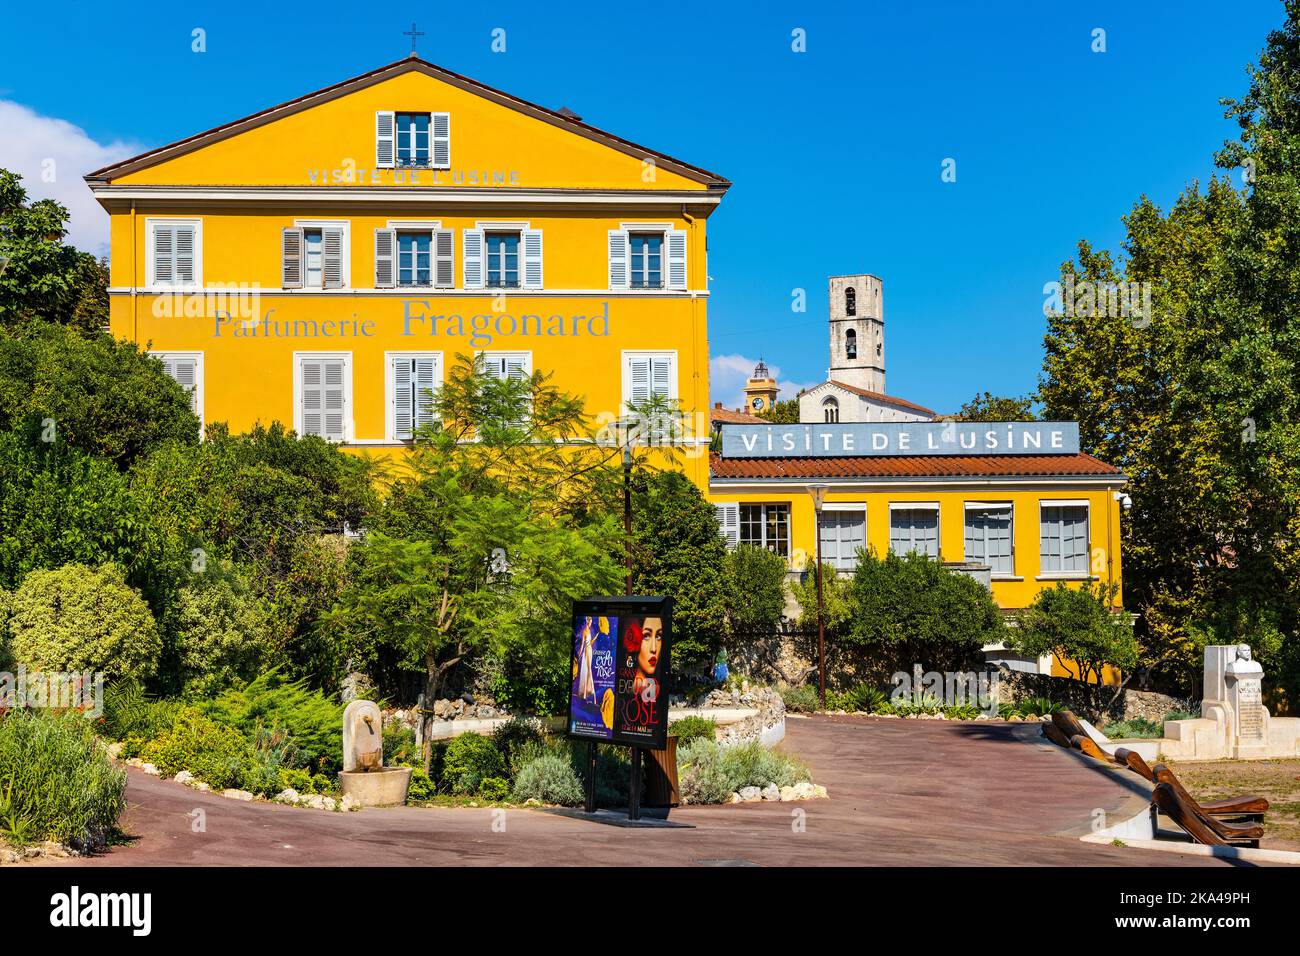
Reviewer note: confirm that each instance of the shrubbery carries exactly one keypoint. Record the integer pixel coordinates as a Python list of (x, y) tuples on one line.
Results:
[(470, 761), (220, 629), (83, 619), (56, 781), (310, 719), (217, 754), (548, 778), (693, 728), (710, 773)]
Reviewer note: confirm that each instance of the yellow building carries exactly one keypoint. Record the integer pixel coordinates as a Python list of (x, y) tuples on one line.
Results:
[(321, 262)]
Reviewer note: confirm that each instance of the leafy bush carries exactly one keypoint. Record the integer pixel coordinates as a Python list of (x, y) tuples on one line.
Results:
[(693, 728), (863, 697), (220, 631), (962, 712), (928, 704), (80, 618), (1038, 707), (548, 779), (1134, 727), (800, 700), (754, 583), (700, 775), (400, 748), (218, 755), (131, 713), (1181, 715), (494, 788), (272, 753), (470, 760), (304, 781), (421, 786), (312, 720), (56, 782), (753, 765), (910, 609), (517, 739), (1077, 625)]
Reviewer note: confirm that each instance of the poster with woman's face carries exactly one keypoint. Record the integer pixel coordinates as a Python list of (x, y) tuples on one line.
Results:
[(618, 692), (641, 701)]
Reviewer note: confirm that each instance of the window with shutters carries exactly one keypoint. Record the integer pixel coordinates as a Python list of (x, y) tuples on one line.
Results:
[(314, 255), (647, 376), (502, 260), (647, 256), (187, 369), (914, 528), (766, 526), (1063, 538), (414, 255), (728, 513), (413, 379), (500, 255), (515, 366), (174, 253), (646, 261), (323, 394), (989, 538), (414, 258), (843, 533)]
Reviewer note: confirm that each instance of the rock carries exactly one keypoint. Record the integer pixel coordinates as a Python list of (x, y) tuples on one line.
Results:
[(287, 795), (202, 787), (750, 794), (9, 856), (150, 769), (134, 762), (348, 803), (115, 750), (330, 803), (355, 685), (771, 792), (803, 790), (183, 777), (1015, 719), (787, 794), (314, 800), (52, 850), (734, 798), (819, 792), (234, 794)]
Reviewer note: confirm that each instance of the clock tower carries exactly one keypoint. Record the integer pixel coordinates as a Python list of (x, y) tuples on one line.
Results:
[(760, 390)]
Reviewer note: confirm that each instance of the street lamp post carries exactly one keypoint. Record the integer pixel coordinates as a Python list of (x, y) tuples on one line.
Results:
[(627, 513), (818, 492)]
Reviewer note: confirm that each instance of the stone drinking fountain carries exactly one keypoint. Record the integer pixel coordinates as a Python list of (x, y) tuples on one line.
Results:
[(365, 778)]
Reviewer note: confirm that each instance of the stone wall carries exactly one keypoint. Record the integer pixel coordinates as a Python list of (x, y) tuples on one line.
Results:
[(1093, 703), (759, 727)]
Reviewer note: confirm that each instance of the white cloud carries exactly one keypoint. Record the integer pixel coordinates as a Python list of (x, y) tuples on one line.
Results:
[(52, 155), (729, 373)]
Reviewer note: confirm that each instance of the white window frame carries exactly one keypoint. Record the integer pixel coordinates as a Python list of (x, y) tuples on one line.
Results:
[(345, 263), (198, 377), (919, 506), (629, 354), (993, 506), (839, 508), (1085, 574), (150, 225), (666, 286), (390, 411), (349, 428), (789, 525)]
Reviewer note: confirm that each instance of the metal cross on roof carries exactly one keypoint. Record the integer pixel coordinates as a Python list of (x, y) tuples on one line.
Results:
[(413, 33)]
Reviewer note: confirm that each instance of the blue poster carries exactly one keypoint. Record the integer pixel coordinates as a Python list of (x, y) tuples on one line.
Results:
[(591, 695)]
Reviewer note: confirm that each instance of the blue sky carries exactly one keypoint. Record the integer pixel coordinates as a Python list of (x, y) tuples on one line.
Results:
[(836, 153)]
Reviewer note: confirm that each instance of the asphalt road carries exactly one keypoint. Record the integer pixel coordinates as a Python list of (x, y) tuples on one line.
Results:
[(901, 792)]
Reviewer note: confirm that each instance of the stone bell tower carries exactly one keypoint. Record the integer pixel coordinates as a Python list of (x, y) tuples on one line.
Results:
[(857, 332)]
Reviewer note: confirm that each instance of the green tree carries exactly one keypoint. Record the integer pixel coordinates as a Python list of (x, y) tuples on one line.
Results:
[(42, 277), (912, 610), (783, 412), (754, 585), (1081, 628), (219, 627), (679, 552), (987, 407), (1197, 398), (93, 393), (80, 618)]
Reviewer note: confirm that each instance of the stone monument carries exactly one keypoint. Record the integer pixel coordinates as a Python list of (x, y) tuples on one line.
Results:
[(1234, 723), (365, 778)]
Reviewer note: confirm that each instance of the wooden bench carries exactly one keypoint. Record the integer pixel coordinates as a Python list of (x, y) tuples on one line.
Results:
[(1250, 808), (1180, 806)]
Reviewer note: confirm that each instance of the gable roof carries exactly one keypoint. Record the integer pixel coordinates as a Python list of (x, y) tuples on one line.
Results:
[(913, 466), (727, 416), (564, 120), (877, 397)]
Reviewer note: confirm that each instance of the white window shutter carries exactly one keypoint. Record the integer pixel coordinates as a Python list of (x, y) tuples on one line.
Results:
[(385, 139), (515, 367), (639, 377), (333, 399), (729, 522), (659, 377), (472, 252), (312, 399), (444, 263), (619, 259), (676, 240), (185, 371), (532, 242), (440, 139), (425, 385), (385, 258), (403, 410), (332, 257), (163, 251), (291, 259)]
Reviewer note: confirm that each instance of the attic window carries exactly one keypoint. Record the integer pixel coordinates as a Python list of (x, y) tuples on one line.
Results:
[(412, 140)]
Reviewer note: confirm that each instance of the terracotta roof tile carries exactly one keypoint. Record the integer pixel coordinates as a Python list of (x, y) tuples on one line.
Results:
[(729, 416), (911, 466), (882, 397)]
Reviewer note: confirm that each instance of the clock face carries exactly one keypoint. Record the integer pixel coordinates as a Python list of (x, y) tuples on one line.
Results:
[(757, 403)]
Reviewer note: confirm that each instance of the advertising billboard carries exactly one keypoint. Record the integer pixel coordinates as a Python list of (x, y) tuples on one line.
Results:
[(619, 671)]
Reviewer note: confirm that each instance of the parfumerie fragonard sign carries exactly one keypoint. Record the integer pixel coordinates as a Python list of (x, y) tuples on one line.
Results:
[(900, 438)]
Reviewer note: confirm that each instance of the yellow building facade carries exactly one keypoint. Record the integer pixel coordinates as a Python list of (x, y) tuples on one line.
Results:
[(323, 262)]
